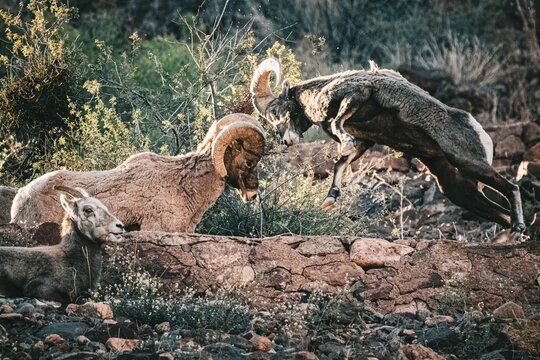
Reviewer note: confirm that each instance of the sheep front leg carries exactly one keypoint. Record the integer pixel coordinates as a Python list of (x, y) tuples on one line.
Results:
[(339, 168), (348, 106)]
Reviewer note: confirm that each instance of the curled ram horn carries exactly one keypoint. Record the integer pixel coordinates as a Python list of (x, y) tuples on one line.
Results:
[(260, 88), (77, 192), (233, 128)]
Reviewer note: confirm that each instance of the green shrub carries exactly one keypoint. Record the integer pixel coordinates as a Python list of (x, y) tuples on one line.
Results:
[(41, 71), (97, 138), (161, 59), (289, 204)]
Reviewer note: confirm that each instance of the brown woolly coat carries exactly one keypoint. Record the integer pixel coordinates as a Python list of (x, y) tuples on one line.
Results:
[(146, 192)]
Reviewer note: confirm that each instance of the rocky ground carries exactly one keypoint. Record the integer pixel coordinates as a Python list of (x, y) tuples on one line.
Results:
[(338, 328)]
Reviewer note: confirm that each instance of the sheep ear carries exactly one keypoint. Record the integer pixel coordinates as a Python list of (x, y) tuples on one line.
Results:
[(68, 205), (285, 86)]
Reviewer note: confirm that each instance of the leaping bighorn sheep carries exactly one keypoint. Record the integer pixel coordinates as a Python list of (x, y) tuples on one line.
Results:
[(155, 192), (380, 106), (62, 272)]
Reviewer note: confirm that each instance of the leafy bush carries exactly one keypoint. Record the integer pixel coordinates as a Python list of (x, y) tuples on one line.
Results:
[(41, 72), (289, 203), (97, 138)]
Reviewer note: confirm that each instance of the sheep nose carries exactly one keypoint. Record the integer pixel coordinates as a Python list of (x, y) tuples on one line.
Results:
[(120, 226), (286, 142)]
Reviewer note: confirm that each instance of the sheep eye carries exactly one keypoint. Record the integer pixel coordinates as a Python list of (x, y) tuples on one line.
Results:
[(88, 211), (250, 164)]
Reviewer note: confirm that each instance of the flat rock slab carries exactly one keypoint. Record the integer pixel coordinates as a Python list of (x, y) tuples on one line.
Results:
[(69, 330), (403, 276)]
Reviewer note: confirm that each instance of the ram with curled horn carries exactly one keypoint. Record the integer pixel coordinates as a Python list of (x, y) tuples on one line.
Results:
[(360, 108), (155, 192)]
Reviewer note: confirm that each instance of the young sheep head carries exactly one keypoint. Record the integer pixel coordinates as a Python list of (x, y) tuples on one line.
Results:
[(236, 151), (92, 219), (282, 111)]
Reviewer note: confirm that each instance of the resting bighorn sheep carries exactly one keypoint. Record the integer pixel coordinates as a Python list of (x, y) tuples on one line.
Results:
[(155, 192), (380, 106), (62, 272)]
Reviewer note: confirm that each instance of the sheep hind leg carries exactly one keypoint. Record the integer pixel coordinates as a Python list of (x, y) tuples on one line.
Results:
[(484, 173), (339, 169), (463, 190)]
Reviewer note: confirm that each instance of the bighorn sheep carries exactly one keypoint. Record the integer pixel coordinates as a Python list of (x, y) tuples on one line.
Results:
[(155, 192), (62, 272), (380, 106)]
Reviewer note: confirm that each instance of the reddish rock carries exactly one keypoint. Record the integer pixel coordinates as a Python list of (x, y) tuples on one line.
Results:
[(123, 345), (53, 339), (511, 147), (420, 352), (369, 253), (261, 343), (500, 132), (532, 154), (318, 158), (333, 274), (236, 275), (166, 356), (437, 319), (82, 340), (531, 133), (90, 309), (6, 309), (39, 346), (11, 316), (502, 165), (320, 246), (509, 310), (305, 355)]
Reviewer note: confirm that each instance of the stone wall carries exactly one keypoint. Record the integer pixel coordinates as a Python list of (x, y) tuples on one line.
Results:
[(401, 276)]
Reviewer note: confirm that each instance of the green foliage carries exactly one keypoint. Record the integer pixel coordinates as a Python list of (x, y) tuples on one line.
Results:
[(97, 138), (40, 72), (161, 55), (289, 204)]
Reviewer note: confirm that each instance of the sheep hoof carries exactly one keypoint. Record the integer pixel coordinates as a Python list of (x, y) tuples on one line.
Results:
[(329, 203), (348, 148), (508, 237)]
